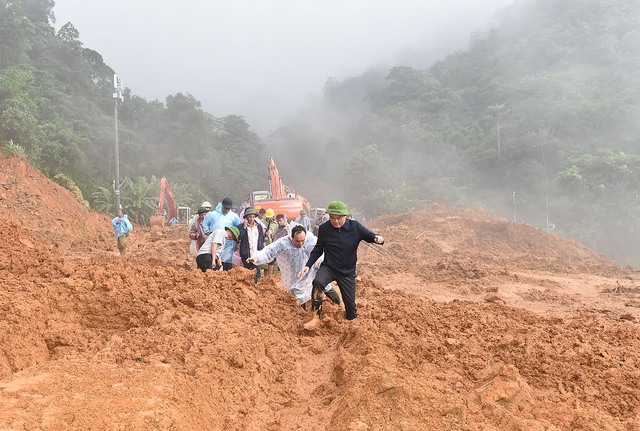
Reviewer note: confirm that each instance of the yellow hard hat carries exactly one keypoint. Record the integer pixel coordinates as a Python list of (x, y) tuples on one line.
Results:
[(270, 213)]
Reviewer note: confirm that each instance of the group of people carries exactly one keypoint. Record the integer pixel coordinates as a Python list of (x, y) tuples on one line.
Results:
[(309, 263), (310, 255)]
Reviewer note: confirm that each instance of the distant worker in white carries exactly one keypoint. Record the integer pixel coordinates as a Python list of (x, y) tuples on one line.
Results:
[(304, 220), (292, 253)]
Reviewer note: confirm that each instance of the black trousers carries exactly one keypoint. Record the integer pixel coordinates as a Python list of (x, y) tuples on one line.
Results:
[(347, 285), (258, 269), (204, 261)]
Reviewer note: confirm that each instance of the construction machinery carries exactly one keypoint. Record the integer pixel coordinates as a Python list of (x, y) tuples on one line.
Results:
[(164, 214), (280, 198)]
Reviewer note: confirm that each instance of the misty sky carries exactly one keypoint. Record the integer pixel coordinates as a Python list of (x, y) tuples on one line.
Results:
[(261, 59)]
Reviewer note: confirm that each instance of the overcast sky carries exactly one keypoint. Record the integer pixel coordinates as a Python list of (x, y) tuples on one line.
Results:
[(262, 58)]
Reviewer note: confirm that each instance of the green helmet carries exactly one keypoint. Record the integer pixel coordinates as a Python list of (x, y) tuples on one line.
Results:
[(249, 211), (234, 230), (337, 208)]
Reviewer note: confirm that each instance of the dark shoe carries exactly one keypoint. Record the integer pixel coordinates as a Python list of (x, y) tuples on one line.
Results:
[(333, 296)]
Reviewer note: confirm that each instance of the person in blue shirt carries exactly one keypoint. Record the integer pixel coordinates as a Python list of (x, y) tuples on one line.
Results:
[(221, 217), (122, 226), (338, 240)]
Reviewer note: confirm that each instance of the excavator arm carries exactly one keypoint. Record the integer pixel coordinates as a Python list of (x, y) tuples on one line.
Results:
[(275, 182), (172, 207), (282, 199)]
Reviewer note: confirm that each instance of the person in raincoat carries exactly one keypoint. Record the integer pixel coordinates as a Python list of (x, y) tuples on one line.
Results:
[(292, 253), (122, 226), (221, 217)]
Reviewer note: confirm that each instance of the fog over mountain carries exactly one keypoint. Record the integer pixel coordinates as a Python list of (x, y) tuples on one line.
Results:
[(262, 59)]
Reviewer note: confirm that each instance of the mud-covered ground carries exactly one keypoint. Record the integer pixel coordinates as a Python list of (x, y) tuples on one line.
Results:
[(466, 322)]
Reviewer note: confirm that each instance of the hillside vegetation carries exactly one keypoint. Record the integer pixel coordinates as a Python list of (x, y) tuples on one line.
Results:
[(537, 120)]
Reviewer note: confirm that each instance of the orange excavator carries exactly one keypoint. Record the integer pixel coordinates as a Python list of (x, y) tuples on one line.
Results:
[(280, 198), (172, 208)]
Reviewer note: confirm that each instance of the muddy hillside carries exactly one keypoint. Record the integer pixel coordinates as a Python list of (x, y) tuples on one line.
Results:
[(466, 322)]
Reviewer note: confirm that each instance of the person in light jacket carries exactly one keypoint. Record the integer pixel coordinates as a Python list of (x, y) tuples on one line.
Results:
[(122, 226), (292, 253)]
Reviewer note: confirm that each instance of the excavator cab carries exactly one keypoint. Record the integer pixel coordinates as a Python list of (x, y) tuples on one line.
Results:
[(184, 215)]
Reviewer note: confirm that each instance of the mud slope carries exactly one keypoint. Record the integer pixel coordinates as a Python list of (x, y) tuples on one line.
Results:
[(467, 323)]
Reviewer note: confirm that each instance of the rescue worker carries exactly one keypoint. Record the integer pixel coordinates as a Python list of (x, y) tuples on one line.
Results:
[(338, 240), (321, 217), (262, 216), (270, 227), (304, 220)]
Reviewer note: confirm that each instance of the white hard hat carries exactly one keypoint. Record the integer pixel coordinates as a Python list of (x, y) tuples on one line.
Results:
[(206, 204)]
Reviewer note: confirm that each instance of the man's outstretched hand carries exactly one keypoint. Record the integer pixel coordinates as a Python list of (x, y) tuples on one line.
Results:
[(304, 272)]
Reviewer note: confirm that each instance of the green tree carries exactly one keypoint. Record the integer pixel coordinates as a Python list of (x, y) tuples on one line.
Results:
[(605, 202), (140, 198), (103, 199)]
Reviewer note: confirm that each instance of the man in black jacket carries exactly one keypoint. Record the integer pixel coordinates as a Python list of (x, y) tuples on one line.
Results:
[(251, 240), (338, 240)]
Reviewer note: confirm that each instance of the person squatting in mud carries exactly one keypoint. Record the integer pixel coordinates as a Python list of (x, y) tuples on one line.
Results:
[(292, 252), (210, 252), (338, 240)]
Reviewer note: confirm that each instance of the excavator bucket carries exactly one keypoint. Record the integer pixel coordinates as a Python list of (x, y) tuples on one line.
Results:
[(157, 220)]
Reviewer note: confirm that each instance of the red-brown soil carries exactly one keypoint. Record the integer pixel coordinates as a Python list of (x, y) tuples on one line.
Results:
[(466, 322)]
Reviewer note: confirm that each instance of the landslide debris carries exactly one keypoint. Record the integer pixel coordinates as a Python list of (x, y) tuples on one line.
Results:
[(89, 340)]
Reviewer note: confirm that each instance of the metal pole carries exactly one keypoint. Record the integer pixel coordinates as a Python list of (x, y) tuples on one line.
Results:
[(117, 95)]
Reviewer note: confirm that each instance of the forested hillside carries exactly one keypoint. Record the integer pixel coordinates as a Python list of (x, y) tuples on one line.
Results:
[(57, 109), (537, 120)]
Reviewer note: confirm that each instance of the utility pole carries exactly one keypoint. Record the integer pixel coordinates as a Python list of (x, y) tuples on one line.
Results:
[(117, 96)]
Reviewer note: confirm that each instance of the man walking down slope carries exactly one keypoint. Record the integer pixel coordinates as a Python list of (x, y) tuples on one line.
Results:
[(338, 240)]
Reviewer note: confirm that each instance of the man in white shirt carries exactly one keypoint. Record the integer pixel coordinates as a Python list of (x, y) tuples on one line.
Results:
[(212, 248), (292, 253)]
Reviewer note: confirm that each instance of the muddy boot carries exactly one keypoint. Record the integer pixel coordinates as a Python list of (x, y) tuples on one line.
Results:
[(316, 309), (313, 323), (333, 295)]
